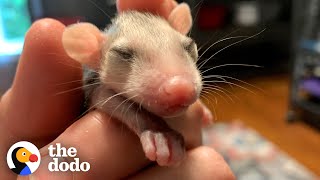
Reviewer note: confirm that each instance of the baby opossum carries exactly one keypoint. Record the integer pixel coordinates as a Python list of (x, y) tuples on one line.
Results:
[(148, 73)]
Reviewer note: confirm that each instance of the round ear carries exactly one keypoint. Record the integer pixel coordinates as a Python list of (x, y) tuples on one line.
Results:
[(180, 18), (83, 42)]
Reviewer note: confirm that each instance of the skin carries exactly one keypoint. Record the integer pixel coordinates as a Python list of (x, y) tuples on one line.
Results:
[(30, 111)]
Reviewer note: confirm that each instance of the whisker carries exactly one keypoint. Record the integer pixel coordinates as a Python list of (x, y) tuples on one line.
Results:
[(223, 80), (140, 105), (115, 95), (129, 107), (214, 113), (136, 116), (216, 89), (214, 92), (95, 105), (223, 65), (196, 16), (222, 89), (233, 78), (198, 4), (61, 62), (73, 89), (127, 112), (90, 108), (140, 109), (75, 81), (209, 97), (103, 101), (126, 100), (221, 40), (213, 107), (101, 10), (119, 105), (227, 82), (65, 64), (230, 46)]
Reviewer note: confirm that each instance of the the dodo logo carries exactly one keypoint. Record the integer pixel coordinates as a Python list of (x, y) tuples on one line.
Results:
[(23, 158)]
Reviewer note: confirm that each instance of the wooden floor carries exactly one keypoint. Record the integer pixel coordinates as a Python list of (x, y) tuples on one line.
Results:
[(266, 113)]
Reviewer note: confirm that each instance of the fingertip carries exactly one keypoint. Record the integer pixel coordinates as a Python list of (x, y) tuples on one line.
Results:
[(159, 7), (43, 45), (211, 163), (46, 23), (42, 66), (208, 118), (42, 33), (197, 109), (123, 5)]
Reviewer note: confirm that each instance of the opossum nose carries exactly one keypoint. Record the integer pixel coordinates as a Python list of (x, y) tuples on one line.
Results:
[(179, 91)]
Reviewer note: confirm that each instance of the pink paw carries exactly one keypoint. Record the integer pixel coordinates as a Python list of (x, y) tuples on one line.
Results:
[(167, 148)]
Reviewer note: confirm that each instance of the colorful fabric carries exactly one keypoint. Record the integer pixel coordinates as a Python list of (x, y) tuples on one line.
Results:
[(252, 157)]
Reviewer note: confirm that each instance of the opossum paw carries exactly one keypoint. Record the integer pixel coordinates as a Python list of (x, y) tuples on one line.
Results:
[(167, 148)]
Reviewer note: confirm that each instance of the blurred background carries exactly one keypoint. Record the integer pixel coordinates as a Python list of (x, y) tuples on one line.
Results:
[(267, 118)]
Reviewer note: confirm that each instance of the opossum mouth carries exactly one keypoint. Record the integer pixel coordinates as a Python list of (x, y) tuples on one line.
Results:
[(156, 109), (176, 108), (166, 110), (174, 111)]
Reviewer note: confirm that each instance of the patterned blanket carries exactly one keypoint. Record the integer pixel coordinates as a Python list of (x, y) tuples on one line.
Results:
[(252, 157)]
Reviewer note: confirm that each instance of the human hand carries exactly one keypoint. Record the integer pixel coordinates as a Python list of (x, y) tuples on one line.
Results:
[(30, 111)]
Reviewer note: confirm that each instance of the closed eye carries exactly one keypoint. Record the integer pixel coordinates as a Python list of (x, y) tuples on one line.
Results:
[(125, 54), (191, 49), (189, 45)]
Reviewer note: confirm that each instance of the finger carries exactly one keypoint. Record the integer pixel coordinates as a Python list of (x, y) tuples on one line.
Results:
[(189, 125), (160, 7), (112, 151), (31, 108), (101, 142), (208, 118), (200, 163)]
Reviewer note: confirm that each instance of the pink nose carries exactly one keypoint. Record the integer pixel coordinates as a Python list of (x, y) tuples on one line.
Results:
[(178, 91), (33, 158)]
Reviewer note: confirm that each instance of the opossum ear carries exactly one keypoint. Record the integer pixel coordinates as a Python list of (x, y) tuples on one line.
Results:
[(180, 18), (83, 42)]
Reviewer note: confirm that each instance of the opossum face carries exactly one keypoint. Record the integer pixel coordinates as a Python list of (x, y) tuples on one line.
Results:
[(152, 63)]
